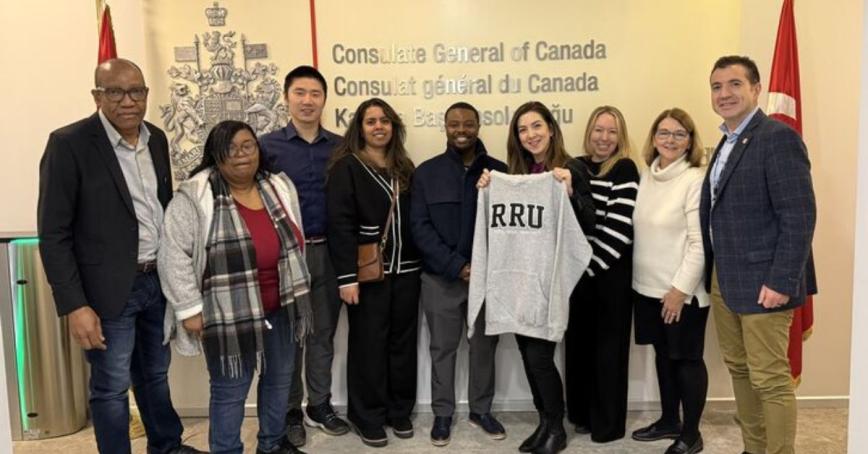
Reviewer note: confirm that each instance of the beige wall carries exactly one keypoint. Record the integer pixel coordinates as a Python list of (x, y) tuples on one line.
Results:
[(646, 70), (48, 55), (35, 99), (47, 80), (829, 51)]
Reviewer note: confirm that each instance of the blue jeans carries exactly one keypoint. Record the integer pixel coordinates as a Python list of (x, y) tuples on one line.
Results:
[(229, 393), (135, 355)]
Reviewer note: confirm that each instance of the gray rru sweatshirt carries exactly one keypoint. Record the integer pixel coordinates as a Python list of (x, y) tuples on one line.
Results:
[(528, 254)]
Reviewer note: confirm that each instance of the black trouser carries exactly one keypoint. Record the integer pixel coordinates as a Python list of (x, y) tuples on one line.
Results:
[(538, 356), (683, 381), (597, 345), (381, 353)]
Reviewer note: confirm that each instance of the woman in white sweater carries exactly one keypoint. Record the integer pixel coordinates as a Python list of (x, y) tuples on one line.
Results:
[(671, 305)]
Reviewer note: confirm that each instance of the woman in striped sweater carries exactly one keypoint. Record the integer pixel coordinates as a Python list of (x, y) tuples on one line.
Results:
[(597, 341)]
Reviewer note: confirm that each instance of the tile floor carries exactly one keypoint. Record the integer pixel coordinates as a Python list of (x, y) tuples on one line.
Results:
[(820, 431)]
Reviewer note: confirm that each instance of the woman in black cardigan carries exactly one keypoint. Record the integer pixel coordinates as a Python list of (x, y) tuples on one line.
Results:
[(381, 357)]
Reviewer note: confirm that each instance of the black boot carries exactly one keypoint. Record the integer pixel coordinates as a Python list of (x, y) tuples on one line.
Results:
[(536, 438), (555, 439)]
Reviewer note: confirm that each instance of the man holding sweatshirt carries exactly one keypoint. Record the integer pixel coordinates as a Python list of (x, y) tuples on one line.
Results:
[(443, 214)]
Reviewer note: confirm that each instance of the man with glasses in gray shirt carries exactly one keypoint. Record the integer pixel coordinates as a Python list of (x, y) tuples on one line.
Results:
[(104, 182)]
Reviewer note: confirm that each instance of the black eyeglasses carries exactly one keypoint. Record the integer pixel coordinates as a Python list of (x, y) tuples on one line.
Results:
[(116, 94)]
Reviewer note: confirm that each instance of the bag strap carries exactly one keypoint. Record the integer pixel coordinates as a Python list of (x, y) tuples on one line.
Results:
[(395, 188)]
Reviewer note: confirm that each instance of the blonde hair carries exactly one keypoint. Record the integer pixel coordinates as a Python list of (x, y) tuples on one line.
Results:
[(624, 149), (695, 152)]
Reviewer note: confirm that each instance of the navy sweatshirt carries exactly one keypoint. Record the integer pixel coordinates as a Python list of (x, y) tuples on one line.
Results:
[(443, 210)]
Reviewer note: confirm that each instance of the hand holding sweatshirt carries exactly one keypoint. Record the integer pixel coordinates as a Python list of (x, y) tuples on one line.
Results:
[(528, 254)]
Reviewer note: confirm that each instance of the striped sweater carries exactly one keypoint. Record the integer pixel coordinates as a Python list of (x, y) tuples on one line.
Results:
[(614, 200)]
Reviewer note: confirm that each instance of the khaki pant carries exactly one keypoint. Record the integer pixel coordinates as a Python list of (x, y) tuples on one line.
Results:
[(754, 348)]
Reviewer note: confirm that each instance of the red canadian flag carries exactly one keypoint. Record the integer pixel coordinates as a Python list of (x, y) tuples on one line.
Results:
[(785, 104), (107, 49)]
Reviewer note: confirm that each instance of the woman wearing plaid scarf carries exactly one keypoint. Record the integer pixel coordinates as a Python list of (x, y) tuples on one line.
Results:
[(232, 267)]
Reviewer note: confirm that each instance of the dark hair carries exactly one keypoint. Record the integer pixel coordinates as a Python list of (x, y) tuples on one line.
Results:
[(217, 145), (461, 105), (399, 165), (753, 75), (695, 152), (302, 72), (518, 158)]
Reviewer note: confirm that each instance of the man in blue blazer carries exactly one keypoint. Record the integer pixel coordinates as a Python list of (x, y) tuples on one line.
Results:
[(757, 213), (104, 182)]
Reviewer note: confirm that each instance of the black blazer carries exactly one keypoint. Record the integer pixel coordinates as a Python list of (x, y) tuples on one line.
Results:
[(760, 229), (358, 199), (88, 233)]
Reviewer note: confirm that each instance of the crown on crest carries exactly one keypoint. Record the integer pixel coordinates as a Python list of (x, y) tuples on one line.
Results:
[(216, 15)]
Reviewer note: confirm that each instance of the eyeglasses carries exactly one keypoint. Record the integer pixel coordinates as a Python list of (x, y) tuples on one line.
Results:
[(679, 136), (248, 147), (116, 94)]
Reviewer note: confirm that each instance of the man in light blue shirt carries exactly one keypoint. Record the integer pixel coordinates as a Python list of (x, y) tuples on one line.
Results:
[(141, 178), (757, 213), (726, 149), (103, 184)]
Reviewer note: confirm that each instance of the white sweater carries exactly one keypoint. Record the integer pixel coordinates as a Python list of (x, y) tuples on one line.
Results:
[(667, 250)]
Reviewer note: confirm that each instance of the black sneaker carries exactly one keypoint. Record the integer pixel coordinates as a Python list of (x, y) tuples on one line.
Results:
[(659, 430), (489, 425), (402, 427), (295, 428), (375, 438), (285, 448), (324, 417), (441, 431)]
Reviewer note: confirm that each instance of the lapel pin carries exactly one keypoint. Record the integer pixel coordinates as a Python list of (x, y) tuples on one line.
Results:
[(744, 141)]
